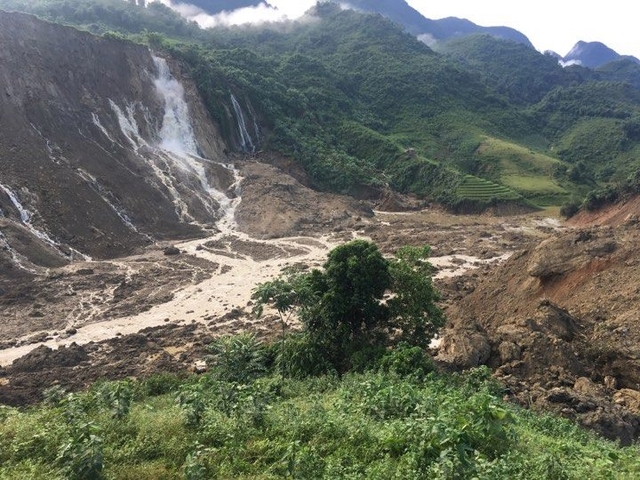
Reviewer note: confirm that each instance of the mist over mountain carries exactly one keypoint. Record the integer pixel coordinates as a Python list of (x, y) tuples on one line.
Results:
[(430, 31)]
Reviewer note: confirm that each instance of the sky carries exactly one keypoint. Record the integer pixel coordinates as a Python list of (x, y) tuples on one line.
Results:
[(550, 25)]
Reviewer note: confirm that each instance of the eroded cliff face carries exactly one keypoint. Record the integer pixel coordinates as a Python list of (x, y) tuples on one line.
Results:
[(103, 147)]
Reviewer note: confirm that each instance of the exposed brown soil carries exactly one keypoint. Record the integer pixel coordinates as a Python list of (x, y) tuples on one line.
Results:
[(557, 321), (559, 324), (613, 215), (206, 285)]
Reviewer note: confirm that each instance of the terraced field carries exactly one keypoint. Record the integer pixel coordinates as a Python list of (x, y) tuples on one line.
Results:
[(479, 189), (526, 171)]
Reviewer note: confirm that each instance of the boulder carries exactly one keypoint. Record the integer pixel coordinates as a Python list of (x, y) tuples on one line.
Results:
[(628, 398), (559, 255), (465, 348)]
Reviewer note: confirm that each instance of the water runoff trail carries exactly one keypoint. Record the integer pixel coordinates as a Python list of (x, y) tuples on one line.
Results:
[(175, 160)]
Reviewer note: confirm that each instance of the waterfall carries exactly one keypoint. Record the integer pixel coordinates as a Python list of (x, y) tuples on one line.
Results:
[(176, 134), (173, 154), (25, 215), (245, 139), (25, 218)]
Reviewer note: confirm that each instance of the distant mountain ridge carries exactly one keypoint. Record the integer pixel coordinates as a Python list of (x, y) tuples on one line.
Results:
[(443, 29), (593, 55), (587, 54)]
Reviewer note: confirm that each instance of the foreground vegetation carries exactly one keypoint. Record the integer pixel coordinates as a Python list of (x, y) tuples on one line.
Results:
[(392, 421)]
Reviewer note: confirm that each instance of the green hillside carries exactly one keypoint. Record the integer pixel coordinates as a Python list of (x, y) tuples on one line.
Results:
[(346, 94)]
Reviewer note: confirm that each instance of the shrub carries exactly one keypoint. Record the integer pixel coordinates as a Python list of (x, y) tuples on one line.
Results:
[(407, 361), (237, 358)]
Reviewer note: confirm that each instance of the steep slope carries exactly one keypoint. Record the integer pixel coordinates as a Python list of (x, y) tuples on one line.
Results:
[(97, 151), (559, 323)]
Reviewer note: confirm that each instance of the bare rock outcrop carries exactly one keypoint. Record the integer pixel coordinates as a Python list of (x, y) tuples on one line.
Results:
[(557, 256)]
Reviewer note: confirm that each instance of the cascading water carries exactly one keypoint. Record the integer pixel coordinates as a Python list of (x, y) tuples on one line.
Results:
[(246, 142), (25, 215), (25, 219), (176, 134), (174, 155)]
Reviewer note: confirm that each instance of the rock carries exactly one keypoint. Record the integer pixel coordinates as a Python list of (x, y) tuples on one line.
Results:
[(199, 366), (44, 357), (610, 382), (585, 386), (556, 320), (509, 352), (628, 398), (465, 348), (559, 255), (612, 425), (171, 251)]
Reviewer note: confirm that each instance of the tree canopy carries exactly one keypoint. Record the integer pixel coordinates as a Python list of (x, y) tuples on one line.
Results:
[(359, 300)]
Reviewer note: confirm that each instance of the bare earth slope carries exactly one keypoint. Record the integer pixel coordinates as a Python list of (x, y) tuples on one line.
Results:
[(154, 312), (559, 321)]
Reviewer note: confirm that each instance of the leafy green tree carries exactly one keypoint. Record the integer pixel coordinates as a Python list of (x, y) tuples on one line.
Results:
[(416, 315), (237, 358), (343, 308)]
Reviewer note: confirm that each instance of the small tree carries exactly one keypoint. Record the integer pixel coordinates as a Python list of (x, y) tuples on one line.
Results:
[(342, 307), (414, 310)]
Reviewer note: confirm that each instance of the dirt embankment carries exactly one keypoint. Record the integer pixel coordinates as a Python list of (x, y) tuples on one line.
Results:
[(612, 215), (559, 323)]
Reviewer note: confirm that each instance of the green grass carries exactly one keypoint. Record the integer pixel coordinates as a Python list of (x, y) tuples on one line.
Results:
[(475, 188), (369, 426), (523, 169)]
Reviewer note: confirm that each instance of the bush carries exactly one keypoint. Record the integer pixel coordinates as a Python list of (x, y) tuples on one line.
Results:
[(407, 361), (237, 358), (300, 357), (570, 208)]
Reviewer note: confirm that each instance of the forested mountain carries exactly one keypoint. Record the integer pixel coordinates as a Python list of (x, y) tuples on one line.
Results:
[(360, 103)]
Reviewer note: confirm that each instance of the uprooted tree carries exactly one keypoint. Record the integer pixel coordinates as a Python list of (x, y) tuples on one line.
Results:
[(360, 301)]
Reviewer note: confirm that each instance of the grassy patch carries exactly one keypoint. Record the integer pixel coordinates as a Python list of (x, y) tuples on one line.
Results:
[(371, 425)]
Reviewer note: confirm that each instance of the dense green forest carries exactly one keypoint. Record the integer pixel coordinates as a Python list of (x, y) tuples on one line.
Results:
[(359, 102)]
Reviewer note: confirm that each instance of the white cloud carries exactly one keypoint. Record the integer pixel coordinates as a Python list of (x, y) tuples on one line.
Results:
[(569, 63), (427, 39), (274, 11)]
